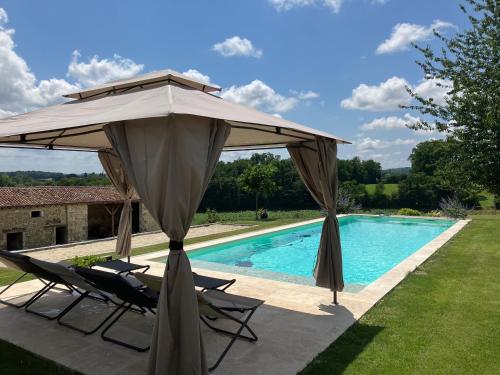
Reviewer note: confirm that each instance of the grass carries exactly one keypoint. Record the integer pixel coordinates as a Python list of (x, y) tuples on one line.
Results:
[(442, 319), (17, 361), (389, 189), (248, 217)]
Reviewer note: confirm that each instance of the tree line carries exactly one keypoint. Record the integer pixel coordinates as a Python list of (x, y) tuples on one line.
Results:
[(268, 181)]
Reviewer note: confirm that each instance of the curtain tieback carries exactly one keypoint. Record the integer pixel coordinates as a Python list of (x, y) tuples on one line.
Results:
[(175, 245), (330, 212)]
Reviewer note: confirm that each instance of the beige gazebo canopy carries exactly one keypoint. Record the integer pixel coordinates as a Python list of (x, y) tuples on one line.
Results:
[(78, 124), (162, 134)]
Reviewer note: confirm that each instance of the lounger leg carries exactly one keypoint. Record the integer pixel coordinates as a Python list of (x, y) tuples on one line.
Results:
[(126, 307), (244, 324), (5, 302), (30, 300), (234, 335), (36, 298), (85, 332)]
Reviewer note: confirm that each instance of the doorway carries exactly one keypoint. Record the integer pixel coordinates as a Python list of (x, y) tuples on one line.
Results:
[(136, 226), (61, 235), (15, 241)]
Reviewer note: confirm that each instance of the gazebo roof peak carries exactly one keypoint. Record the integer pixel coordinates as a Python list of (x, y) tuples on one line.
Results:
[(160, 76)]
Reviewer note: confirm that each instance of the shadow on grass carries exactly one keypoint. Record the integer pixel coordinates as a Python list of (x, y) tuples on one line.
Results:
[(337, 357)]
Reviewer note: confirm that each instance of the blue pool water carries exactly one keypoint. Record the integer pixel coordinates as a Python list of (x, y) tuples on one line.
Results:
[(370, 247)]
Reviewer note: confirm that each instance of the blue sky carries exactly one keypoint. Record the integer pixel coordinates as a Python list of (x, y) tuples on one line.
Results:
[(337, 65)]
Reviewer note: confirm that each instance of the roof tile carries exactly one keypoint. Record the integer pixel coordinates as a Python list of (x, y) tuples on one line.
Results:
[(53, 195)]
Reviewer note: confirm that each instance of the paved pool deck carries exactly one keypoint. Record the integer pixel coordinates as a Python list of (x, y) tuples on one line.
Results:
[(295, 324)]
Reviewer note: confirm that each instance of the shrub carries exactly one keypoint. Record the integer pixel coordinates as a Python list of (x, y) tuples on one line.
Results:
[(434, 213), (452, 207), (408, 212), (87, 261), (345, 202), (262, 214), (212, 216)]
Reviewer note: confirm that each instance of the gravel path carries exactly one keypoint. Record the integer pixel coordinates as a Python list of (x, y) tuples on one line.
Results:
[(56, 254)]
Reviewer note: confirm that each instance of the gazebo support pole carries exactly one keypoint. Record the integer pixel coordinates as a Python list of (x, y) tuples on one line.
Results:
[(335, 297)]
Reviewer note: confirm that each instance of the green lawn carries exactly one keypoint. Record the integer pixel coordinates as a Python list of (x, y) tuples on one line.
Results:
[(442, 319), (389, 189), (17, 361)]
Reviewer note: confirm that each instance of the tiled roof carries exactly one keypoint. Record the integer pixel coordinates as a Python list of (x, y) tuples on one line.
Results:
[(53, 195)]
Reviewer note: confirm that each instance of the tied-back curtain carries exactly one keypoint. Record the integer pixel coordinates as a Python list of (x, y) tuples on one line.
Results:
[(113, 168), (170, 162), (316, 163)]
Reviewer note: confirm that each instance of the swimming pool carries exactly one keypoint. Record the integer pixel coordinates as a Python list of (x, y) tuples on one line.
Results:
[(371, 246)]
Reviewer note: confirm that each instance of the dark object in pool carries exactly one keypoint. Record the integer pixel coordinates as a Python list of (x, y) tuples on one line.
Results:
[(244, 263), (306, 235)]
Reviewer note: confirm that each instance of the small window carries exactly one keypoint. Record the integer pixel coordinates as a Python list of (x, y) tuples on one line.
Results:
[(36, 213)]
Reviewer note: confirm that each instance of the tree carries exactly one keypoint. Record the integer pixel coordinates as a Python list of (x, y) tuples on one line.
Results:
[(468, 67), (5, 180), (259, 179), (438, 159), (419, 191)]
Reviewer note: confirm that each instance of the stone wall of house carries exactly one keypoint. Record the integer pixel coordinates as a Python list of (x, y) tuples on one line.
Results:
[(41, 230), (77, 222), (148, 224)]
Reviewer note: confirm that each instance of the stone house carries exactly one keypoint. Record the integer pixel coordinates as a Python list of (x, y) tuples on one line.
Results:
[(32, 217)]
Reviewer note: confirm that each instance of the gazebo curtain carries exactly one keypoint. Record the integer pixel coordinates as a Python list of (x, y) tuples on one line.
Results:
[(316, 163), (113, 168), (170, 162)]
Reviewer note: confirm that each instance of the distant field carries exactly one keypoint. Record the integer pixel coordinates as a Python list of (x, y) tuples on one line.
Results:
[(389, 189)]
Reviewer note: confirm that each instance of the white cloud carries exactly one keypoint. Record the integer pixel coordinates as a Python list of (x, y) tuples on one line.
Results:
[(97, 71), (403, 34), (283, 5), (307, 95), (194, 74), (259, 95), (237, 46), (386, 96), (380, 2), (434, 88), (50, 161), (390, 123), (227, 156), (4, 113), (4, 18), (369, 144), (391, 94), (20, 91)]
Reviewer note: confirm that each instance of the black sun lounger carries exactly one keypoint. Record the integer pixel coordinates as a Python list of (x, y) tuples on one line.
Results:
[(22, 263), (206, 282), (217, 304), (82, 287), (220, 305), (120, 287)]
